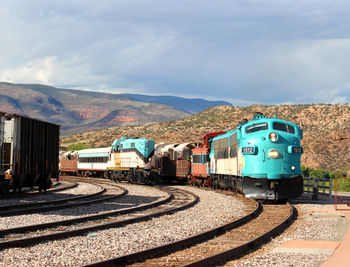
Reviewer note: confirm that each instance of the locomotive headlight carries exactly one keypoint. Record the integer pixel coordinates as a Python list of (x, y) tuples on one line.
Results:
[(273, 154), (273, 137)]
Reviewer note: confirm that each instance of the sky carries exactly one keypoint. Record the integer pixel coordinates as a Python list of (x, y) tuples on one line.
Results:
[(244, 52)]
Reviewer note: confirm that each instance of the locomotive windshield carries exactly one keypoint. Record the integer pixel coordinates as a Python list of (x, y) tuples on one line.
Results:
[(256, 127), (283, 127)]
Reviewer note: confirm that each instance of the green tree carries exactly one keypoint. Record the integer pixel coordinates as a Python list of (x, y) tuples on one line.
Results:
[(305, 171), (78, 146)]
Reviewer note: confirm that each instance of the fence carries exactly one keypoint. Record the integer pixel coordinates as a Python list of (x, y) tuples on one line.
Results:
[(338, 179), (318, 186)]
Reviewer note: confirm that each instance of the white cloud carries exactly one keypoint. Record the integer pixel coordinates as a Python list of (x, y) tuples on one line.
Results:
[(245, 51), (39, 71)]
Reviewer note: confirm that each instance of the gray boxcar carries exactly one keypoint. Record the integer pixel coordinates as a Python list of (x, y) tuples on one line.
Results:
[(30, 152)]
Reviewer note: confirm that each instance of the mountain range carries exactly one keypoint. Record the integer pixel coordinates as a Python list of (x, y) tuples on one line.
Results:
[(80, 111)]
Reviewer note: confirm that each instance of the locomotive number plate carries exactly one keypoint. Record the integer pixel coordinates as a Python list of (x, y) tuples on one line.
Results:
[(297, 149), (248, 150)]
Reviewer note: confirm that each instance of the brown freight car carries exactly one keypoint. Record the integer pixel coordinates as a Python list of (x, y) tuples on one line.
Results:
[(69, 163), (30, 152), (174, 161)]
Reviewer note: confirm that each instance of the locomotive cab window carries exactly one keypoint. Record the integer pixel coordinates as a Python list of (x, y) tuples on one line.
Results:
[(256, 127), (197, 158), (283, 127)]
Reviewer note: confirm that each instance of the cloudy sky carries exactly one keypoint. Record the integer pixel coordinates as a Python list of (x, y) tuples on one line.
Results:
[(270, 52)]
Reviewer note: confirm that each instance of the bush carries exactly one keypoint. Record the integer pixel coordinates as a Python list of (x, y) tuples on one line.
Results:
[(305, 171), (78, 146), (343, 185)]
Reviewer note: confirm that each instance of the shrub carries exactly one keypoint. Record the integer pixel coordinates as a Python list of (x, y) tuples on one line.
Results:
[(78, 146)]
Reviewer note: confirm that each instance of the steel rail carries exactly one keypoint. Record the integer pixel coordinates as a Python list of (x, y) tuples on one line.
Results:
[(28, 193), (179, 245), (33, 240), (51, 202), (57, 207), (36, 227), (246, 247)]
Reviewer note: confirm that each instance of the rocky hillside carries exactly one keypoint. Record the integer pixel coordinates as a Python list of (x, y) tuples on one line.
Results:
[(80, 111), (326, 130)]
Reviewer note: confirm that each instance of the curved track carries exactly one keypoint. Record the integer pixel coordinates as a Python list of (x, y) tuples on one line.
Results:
[(177, 200), (217, 245), (29, 193), (100, 196), (32, 204)]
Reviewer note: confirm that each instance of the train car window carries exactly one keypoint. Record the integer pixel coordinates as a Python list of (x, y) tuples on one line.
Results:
[(283, 127), (222, 153), (215, 145), (233, 139), (197, 158), (226, 153), (132, 145), (233, 152), (206, 158), (256, 127), (186, 154)]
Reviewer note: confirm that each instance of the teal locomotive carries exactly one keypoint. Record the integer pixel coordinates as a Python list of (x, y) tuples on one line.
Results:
[(260, 159), (130, 159)]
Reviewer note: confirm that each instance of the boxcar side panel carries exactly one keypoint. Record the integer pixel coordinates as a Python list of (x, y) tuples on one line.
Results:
[(2, 170)]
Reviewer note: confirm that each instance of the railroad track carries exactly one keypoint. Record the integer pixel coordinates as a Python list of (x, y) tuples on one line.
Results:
[(29, 193), (215, 246), (46, 203), (23, 236), (102, 195)]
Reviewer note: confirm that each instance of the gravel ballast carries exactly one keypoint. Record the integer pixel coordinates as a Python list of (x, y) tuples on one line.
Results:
[(213, 210), (313, 223), (135, 197), (80, 189)]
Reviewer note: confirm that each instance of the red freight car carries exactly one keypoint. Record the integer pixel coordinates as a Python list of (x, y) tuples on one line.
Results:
[(200, 161)]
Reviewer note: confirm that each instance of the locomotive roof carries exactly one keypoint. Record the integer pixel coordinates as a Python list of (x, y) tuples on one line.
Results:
[(255, 120), (129, 139), (95, 150), (268, 120), (183, 146)]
